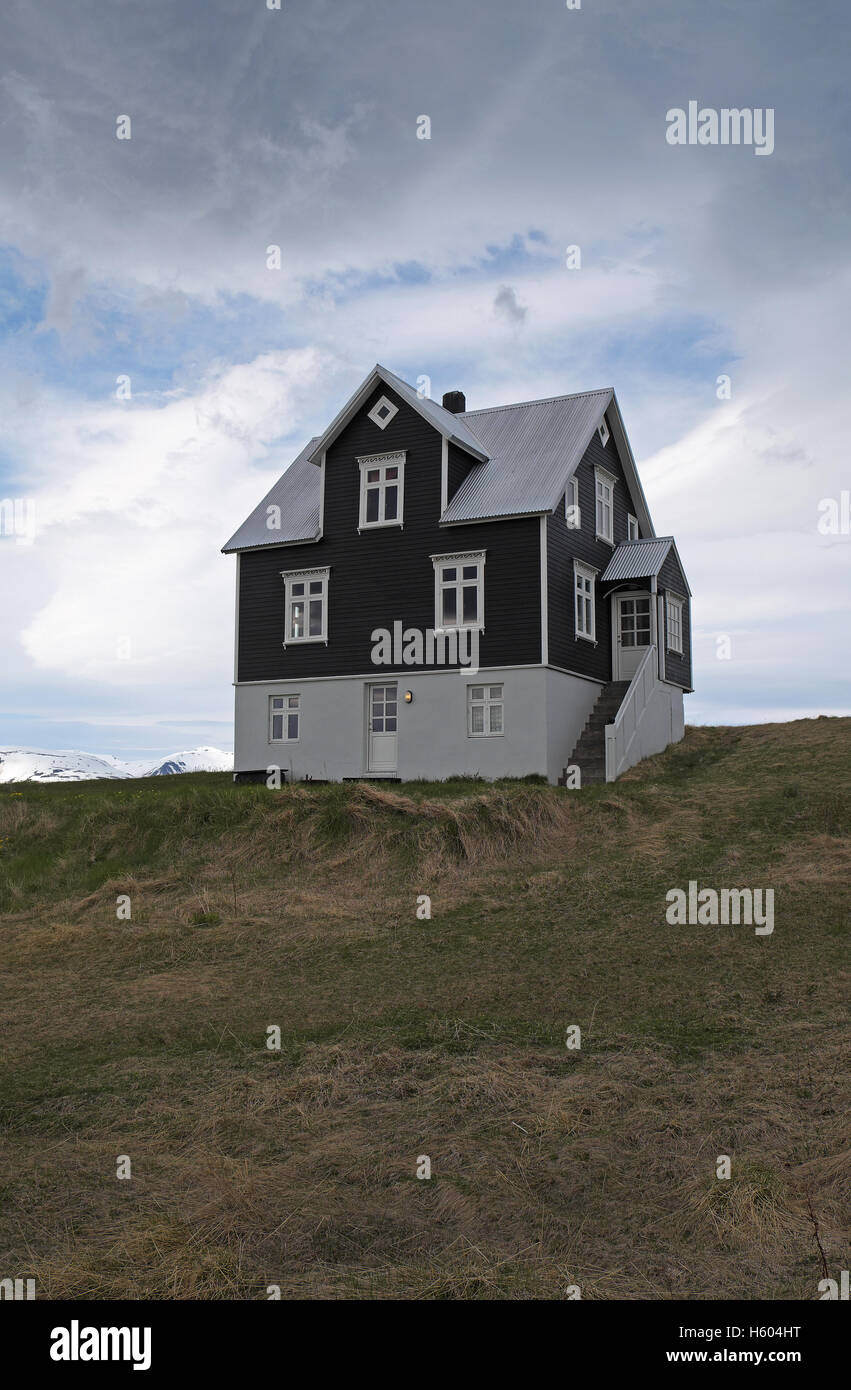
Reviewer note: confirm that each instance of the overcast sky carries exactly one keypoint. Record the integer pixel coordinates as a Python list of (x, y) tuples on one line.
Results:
[(146, 258)]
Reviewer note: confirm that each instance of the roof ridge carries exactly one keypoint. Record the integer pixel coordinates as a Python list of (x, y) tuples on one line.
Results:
[(544, 400)]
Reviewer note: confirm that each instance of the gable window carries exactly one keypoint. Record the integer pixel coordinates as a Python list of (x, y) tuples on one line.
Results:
[(284, 718), (382, 484), (485, 711), (382, 412), (603, 432), (305, 605), (674, 623), (604, 490), (459, 590), (586, 620), (632, 527), (572, 513)]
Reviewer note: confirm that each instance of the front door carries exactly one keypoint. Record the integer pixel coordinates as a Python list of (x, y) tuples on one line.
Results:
[(633, 633), (381, 736)]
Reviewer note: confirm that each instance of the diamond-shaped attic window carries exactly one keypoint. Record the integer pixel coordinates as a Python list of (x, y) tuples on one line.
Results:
[(382, 412)]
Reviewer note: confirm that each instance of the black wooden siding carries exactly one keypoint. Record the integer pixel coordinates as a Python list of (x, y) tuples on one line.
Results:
[(386, 574), (458, 465), (677, 668), (563, 546)]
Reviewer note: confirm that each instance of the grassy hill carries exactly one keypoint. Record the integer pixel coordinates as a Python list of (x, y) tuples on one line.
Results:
[(403, 1037)]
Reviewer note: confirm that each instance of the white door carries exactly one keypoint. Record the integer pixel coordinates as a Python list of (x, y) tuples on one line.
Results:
[(382, 716), (633, 633)]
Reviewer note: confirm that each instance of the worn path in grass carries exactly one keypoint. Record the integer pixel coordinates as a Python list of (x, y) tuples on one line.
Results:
[(403, 1037)]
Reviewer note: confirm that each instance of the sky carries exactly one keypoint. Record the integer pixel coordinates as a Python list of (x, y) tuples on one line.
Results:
[(157, 373)]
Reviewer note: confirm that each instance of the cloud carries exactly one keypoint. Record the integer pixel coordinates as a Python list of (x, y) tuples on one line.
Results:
[(507, 305)]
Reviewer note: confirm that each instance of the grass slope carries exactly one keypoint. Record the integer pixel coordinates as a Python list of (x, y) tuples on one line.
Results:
[(445, 1038)]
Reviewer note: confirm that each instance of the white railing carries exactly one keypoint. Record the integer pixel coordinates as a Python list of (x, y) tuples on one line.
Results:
[(621, 734)]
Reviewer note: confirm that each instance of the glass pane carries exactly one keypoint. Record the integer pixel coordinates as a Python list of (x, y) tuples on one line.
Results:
[(297, 590), (297, 620), (390, 502), (390, 707), (496, 719), (471, 603), (316, 586), (292, 726), (277, 726), (477, 717), (373, 475), (391, 473), (372, 504), (377, 724), (277, 702), (477, 692), (450, 606), (292, 701), (390, 725), (470, 572), (377, 694), (496, 692), (316, 617), (449, 574)]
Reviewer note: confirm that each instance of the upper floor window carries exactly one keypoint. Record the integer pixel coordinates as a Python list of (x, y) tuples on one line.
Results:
[(632, 527), (674, 614), (572, 513), (382, 486), (585, 615), (604, 491), (305, 605), (459, 590)]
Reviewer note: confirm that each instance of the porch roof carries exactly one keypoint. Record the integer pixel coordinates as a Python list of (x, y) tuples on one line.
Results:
[(638, 559)]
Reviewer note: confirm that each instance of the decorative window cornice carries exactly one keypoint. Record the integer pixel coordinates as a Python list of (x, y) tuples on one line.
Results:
[(459, 557), (370, 460)]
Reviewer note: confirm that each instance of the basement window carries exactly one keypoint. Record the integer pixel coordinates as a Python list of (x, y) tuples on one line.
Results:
[(382, 487), (284, 718), (674, 623), (305, 606), (485, 711), (584, 607)]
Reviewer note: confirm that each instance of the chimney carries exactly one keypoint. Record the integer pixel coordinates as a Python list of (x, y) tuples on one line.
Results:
[(454, 401)]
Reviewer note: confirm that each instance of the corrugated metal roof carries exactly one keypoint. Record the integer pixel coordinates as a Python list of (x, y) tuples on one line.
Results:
[(297, 495), (453, 426), (533, 447), (638, 559)]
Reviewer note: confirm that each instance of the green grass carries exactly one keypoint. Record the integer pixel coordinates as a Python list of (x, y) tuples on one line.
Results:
[(297, 908)]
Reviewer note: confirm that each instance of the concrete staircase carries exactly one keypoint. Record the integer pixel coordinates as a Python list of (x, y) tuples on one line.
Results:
[(589, 755)]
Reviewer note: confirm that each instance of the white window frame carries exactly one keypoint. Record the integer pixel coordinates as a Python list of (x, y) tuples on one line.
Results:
[(383, 412), (603, 432), (487, 702), (571, 499), (632, 533), (674, 603), (588, 575), (381, 462), (458, 562), (291, 579), (602, 481), (285, 713)]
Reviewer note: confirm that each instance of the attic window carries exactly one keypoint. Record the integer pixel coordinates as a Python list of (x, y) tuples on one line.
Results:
[(603, 431), (632, 527), (382, 412), (604, 487), (382, 487), (571, 506)]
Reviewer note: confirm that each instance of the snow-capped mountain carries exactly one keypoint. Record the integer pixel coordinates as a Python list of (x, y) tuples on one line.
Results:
[(32, 765)]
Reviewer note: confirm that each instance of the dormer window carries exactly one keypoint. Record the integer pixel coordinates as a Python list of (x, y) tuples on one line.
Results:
[(382, 487)]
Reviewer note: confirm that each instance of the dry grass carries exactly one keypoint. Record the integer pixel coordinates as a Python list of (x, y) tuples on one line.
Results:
[(403, 1037)]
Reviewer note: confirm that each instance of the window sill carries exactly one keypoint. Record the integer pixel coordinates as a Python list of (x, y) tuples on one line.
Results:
[(605, 539), (380, 526), (304, 641), (486, 735), (583, 637)]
